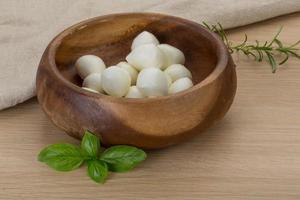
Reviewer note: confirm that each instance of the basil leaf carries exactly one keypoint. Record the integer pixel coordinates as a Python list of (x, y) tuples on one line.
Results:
[(97, 170), (122, 158), (61, 157), (90, 144)]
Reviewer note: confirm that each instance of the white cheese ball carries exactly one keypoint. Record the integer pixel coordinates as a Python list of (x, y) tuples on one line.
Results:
[(115, 81), (88, 64), (144, 37), (132, 71), (152, 82), (93, 81), (89, 89), (178, 71), (180, 85), (134, 92), (145, 56), (168, 79), (172, 55)]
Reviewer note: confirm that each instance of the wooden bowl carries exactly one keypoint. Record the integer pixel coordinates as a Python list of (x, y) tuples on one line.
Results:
[(146, 123)]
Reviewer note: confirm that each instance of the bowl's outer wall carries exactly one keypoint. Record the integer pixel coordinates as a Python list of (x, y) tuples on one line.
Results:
[(153, 123)]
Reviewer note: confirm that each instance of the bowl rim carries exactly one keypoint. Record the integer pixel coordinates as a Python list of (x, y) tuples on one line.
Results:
[(222, 58)]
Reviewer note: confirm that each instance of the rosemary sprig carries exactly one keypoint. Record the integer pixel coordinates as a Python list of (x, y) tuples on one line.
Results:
[(259, 50)]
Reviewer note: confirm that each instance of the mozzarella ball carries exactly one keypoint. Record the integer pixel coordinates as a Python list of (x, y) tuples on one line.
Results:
[(93, 81), (132, 71), (115, 81), (88, 64), (145, 56), (152, 82), (168, 79), (180, 85), (134, 92), (178, 71), (172, 55), (144, 38), (89, 89)]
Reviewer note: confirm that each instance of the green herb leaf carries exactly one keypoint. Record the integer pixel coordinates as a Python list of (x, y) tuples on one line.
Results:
[(90, 145), (272, 62), (62, 157), (97, 170), (259, 49), (67, 157), (122, 158)]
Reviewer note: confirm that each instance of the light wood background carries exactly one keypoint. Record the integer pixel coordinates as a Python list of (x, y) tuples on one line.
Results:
[(253, 153)]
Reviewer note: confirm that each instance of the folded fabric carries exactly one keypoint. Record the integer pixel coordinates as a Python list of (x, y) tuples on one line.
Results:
[(26, 27)]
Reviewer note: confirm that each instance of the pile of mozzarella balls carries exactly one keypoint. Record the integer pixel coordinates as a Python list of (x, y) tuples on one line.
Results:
[(151, 70)]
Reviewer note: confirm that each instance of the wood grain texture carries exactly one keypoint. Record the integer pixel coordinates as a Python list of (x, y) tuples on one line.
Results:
[(252, 154), (147, 123)]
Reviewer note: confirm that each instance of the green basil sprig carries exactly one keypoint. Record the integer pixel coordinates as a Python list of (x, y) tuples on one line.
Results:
[(67, 157)]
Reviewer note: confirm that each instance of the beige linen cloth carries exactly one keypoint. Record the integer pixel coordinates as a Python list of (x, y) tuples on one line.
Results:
[(27, 26)]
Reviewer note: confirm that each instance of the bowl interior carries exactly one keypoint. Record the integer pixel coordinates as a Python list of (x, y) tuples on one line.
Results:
[(110, 38)]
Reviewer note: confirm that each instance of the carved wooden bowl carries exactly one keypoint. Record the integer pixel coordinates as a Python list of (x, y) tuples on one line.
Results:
[(146, 123)]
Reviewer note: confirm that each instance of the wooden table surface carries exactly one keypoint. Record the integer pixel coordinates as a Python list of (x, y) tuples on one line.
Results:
[(253, 153)]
